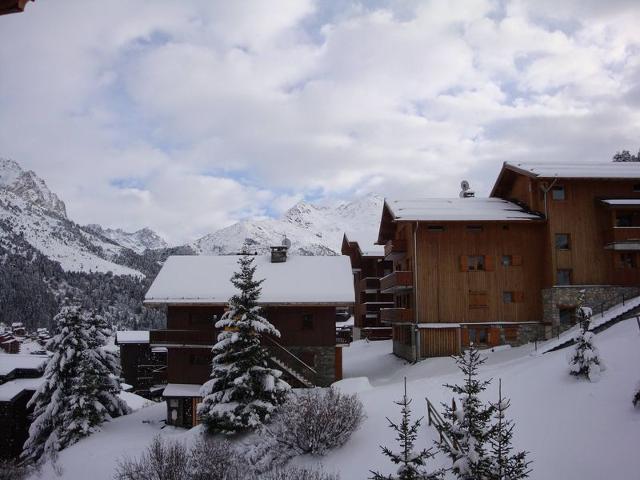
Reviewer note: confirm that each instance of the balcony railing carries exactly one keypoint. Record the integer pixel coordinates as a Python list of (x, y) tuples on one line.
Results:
[(623, 235), (182, 338), (396, 315), (370, 284), (396, 282), (395, 249)]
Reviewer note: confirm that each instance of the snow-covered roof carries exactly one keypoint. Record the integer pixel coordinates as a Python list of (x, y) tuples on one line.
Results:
[(10, 362), (622, 201), (457, 209), (132, 336), (9, 390), (366, 243), (205, 279), (182, 390), (578, 170)]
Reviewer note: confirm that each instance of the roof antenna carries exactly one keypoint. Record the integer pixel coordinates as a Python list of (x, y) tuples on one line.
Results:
[(466, 191)]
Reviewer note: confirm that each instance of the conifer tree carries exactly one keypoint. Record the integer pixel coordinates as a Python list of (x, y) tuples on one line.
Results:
[(505, 465), (412, 465), (468, 426), (585, 359), (243, 391), (80, 386)]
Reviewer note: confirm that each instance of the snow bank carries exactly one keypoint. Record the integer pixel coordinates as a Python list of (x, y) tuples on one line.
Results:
[(353, 385)]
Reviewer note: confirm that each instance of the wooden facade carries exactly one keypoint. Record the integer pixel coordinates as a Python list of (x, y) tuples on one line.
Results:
[(12, 6), (307, 344), (487, 277), (370, 302)]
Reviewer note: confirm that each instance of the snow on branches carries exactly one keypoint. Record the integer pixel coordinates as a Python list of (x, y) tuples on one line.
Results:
[(80, 388), (243, 391), (584, 360)]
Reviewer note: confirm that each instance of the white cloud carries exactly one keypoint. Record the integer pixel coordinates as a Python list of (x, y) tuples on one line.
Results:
[(189, 115)]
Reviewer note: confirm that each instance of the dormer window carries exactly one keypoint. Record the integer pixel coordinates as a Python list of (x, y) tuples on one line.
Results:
[(558, 193)]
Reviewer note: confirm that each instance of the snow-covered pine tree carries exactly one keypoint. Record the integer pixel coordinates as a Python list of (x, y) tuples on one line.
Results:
[(80, 388), (468, 425), (412, 465), (505, 464), (243, 391), (584, 360)]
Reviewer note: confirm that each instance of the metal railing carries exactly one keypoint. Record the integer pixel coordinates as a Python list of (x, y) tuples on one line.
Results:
[(291, 359)]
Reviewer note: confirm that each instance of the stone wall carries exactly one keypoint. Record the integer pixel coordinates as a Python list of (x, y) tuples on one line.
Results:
[(597, 297), (324, 362)]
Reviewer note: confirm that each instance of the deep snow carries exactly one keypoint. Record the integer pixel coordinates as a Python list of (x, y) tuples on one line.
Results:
[(574, 429)]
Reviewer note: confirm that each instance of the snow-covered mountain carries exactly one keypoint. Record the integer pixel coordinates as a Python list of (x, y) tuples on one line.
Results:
[(138, 241), (312, 229), (33, 212)]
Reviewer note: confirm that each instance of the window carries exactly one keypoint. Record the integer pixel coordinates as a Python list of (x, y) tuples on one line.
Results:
[(558, 193), (567, 315), (478, 335), (478, 299), (307, 322), (475, 263), (562, 241), (623, 220), (636, 187), (435, 228), (563, 276), (628, 260), (507, 297), (474, 228), (507, 260)]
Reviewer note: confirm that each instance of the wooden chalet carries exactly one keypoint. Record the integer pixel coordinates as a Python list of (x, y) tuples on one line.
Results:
[(20, 377), (300, 295), (369, 266), (143, 367), (509, 268)]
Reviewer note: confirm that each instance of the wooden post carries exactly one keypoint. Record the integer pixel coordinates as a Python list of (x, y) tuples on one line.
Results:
[(638, 320)]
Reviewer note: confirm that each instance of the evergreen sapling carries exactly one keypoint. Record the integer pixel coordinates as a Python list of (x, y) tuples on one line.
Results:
[(468, 425), (412, 465), (243, 391), (505, 465), (584, 360)]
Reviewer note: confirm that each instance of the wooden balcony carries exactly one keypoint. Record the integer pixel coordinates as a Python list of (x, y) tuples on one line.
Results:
[(616, 237), (396, 282), (396, 315), (395, 249), (182, 338), (370, 284)]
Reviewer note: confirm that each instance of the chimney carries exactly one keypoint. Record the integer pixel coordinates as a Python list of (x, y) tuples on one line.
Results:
[(279, 252)]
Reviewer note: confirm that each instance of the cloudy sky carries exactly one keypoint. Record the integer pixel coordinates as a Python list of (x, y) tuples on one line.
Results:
[(186, 116)]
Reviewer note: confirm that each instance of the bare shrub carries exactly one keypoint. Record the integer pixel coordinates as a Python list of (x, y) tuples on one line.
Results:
[(162, 460), (298, 473), (216, 460), (312, 421)]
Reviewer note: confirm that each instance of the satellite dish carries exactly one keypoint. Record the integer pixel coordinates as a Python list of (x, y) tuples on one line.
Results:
[(286, 242), (466, 191)]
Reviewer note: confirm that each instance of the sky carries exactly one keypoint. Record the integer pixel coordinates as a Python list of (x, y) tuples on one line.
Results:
[(187, 116)]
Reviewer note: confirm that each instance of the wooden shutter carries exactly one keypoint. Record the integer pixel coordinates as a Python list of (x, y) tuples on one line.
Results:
[(464, 336), (489, 265), (516, 260), (464, 263), (494, 337), (518, 297)]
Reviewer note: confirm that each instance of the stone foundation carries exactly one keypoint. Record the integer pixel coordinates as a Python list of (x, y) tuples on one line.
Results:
[(324, 362), (598, 297)]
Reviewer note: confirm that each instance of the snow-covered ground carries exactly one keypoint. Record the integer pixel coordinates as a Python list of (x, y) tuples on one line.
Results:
[(574, 429)]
